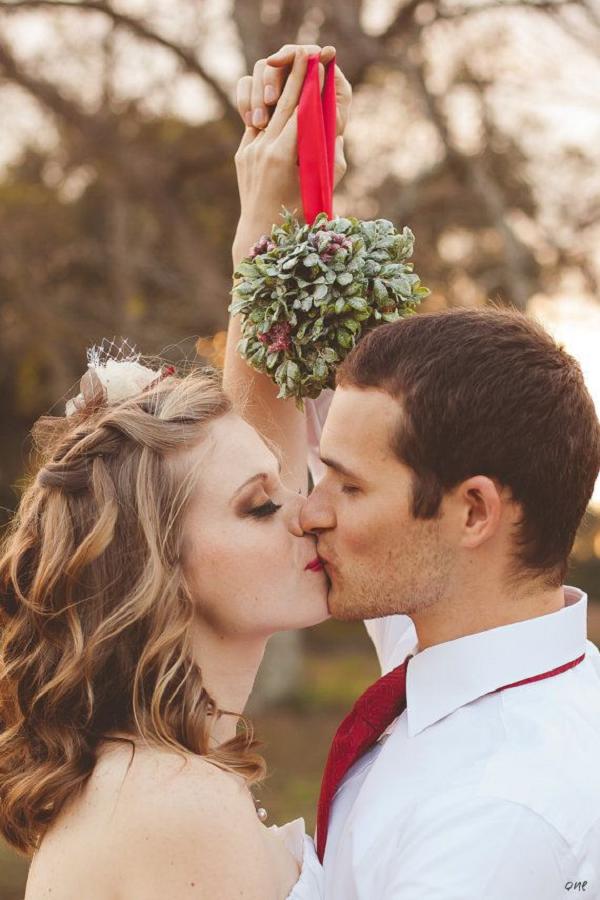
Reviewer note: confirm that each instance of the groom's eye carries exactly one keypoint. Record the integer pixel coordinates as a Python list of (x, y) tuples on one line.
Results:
[(349, 489)]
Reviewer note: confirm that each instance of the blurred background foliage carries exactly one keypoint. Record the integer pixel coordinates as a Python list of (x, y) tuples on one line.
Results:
[(474, 122)]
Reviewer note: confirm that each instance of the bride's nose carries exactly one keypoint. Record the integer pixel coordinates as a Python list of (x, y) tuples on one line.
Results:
[(296, 504)]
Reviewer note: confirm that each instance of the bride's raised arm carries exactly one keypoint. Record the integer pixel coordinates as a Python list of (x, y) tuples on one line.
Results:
[(268, 179)]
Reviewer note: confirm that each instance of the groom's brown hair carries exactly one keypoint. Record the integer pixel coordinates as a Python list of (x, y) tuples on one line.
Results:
[(489, 392)]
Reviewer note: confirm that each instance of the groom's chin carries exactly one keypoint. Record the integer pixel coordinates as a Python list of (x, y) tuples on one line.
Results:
[(338, 609)]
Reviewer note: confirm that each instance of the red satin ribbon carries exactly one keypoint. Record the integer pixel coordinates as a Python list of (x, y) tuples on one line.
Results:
[(316, 140)]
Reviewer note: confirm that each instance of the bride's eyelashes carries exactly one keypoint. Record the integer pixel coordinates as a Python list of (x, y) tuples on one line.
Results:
[(267, 509)]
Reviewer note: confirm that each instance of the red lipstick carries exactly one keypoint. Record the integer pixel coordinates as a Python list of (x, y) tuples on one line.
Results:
[(315, 565)]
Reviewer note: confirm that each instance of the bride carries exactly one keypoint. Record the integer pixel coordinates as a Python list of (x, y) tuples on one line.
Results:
[(154, 552)]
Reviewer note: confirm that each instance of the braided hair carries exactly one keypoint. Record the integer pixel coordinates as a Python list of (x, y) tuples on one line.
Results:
[(95, 614)]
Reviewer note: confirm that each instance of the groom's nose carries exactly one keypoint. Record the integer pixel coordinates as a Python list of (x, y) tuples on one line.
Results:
[(317, 513)]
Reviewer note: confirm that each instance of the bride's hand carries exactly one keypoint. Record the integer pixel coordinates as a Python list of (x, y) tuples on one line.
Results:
[(258, 93), (266, 160)]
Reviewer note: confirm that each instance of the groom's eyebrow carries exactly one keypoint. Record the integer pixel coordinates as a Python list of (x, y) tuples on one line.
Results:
[(338, 467)]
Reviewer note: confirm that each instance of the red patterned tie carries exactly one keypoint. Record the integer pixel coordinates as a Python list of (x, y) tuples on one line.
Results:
[(365, 723), (361, 729)]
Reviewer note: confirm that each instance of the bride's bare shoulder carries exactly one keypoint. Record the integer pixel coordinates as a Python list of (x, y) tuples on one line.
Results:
[(189, 827), (154, 779), (154, 768)]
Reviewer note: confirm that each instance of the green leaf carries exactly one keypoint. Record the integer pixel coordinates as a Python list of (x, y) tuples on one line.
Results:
[(345, 278), (380, 290), (245, 270), (321, 369), (342, 225), (237, 306), (261, 265), (401, 285), (344, 338), (312, 259), (358, 303), (245, 288), (280, 372)]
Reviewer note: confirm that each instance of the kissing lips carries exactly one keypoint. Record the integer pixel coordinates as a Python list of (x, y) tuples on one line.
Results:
[(315, 565)]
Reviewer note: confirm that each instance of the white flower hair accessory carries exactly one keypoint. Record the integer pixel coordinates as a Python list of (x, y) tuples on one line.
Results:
[(114, 373)]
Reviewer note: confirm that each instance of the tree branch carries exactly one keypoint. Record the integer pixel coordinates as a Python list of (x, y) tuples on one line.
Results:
[(543, 5), (137, 27), (473, 171), (403, 20), (98, 132)]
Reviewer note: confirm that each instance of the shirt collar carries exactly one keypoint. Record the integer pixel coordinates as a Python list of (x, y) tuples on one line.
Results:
[(442, 678)]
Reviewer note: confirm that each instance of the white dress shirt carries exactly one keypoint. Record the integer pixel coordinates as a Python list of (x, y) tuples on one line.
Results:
[(471, 794)]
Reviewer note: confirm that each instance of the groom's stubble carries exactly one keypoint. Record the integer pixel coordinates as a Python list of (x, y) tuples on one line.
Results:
[(405, 578)]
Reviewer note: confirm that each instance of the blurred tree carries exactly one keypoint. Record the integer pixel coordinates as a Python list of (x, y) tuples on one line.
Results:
[(117, 217), (118, 202)]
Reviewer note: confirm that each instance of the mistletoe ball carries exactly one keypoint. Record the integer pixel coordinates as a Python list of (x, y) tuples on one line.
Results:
[(306, 293)]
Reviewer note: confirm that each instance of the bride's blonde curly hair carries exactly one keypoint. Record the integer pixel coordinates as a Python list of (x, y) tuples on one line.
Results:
[(95, 616)]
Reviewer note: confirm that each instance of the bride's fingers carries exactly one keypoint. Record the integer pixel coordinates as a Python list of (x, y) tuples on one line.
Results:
[(285, 56), (273, 81), (291, 93), (278, 66), (260, 116), (244, 98), (343, 95), (340, 165)]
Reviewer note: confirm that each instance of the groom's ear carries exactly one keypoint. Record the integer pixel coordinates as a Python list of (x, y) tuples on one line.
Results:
[(480, 504)]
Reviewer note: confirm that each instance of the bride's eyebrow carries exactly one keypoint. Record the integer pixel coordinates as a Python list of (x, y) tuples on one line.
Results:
[(260, 476)]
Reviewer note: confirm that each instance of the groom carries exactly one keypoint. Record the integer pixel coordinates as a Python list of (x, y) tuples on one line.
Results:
[(460, 452), (457, 458)]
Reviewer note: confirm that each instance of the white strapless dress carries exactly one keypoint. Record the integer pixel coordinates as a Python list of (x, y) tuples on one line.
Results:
[(310, 883)]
